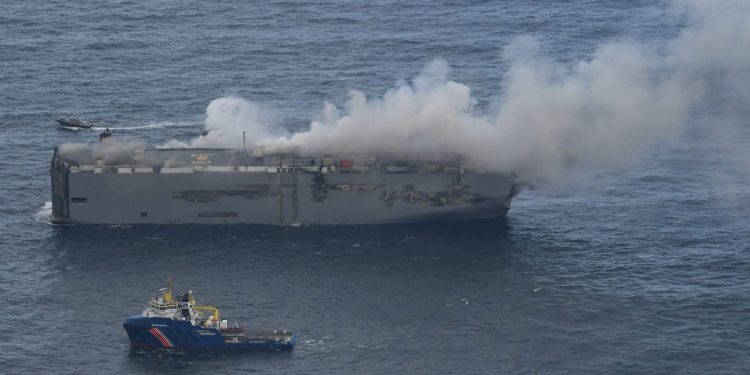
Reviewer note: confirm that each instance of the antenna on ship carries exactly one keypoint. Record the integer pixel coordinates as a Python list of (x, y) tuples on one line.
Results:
[(244, 149)]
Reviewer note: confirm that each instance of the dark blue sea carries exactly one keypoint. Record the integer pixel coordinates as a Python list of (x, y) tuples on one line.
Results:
[(640, 266)]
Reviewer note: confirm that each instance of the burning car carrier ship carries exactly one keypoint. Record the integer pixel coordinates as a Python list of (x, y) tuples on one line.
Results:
[(139, 185)]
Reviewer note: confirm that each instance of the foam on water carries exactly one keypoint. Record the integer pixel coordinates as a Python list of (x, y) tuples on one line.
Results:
[(44, 214)]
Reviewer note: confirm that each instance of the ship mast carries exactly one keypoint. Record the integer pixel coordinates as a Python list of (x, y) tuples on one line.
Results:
[(167, 296)]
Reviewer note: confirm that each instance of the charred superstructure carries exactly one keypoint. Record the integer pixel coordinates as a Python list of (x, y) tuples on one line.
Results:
[(223, 186)]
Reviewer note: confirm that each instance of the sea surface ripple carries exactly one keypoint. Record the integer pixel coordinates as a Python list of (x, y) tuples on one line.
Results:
[(642, 268)]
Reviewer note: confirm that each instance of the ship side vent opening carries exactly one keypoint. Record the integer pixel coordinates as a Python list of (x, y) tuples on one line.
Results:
[(78, 200), (217, 214)]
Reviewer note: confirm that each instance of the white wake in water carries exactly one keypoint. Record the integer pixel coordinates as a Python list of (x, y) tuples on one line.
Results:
[(44, 215)]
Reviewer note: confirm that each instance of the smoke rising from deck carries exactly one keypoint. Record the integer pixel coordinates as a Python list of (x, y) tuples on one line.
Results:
[(227, 118), (110, 152), (603, 110)]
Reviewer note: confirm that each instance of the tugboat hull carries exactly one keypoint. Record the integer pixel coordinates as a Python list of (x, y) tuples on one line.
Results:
[(165, 333)]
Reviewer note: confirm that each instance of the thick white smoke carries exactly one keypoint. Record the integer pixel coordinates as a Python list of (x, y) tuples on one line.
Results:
[(713, 51), (111, 152), (226, 120), (551, 116)]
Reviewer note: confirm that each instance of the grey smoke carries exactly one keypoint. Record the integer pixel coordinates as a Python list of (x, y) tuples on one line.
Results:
[(110, 152), (227, 118), (603, 110)]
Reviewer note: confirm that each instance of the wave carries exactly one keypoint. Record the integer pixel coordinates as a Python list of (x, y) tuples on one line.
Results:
[(125, 44), (44, 215), (71, 128)]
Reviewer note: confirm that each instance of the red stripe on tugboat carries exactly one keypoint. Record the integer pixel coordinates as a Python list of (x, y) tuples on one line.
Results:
[(160, 336)]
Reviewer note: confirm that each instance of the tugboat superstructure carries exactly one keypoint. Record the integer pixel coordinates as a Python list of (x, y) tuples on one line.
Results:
[(182, 324)]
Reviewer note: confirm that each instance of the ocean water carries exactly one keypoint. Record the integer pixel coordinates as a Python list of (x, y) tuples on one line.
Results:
[(641, 267)]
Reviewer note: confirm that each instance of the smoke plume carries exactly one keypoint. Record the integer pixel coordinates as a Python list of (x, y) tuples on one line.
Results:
[(110, 152), (551, 116)]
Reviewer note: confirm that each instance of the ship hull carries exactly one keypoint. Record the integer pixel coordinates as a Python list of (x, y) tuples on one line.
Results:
[(164, 333), (275, 197)]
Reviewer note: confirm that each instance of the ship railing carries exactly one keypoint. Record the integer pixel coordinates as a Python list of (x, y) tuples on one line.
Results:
[(272, 335), (162, 306), (233, 331)]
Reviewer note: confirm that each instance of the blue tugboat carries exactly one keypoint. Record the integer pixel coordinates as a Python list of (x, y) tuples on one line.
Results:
[(172, 324)]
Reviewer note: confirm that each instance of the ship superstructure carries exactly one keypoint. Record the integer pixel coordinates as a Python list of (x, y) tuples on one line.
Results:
[(169, 323), (120, 185)]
